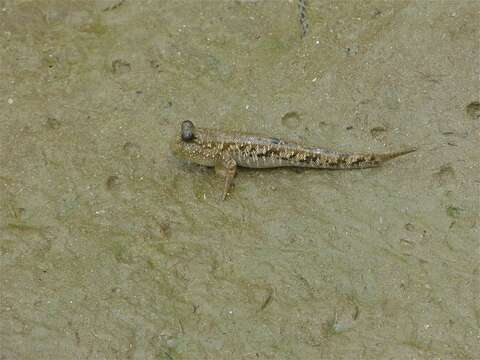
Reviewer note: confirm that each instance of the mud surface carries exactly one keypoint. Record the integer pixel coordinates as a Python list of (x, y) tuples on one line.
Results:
[(110, 248)]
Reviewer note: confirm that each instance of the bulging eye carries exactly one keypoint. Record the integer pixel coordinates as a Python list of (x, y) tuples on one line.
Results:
[(187, 130)]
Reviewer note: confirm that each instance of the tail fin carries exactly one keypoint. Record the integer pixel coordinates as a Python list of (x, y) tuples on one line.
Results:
[(392, 155)]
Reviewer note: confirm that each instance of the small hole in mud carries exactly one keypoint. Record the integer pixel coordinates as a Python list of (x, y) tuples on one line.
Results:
[(112, 182), (291, 120)]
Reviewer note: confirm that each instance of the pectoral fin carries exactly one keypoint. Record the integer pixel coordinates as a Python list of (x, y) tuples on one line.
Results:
[(226, 168)]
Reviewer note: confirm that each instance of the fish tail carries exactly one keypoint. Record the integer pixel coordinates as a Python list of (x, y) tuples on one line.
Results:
[(388, 156), (362, 161)]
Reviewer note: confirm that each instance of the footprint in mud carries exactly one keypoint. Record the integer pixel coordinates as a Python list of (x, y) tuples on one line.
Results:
[(120, 66), (445, 174), (473, 110), (52, 123), (454, 211), (112, 182), (378, 132), (291, 120), (132, 149)]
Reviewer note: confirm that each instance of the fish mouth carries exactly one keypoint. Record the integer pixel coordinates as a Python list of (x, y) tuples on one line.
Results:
[(183, 150), (177, 148)]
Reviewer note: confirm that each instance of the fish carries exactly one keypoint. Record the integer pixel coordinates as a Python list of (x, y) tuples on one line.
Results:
[(227, 150)]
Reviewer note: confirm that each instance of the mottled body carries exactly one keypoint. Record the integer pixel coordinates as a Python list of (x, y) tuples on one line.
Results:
[(225, 150)]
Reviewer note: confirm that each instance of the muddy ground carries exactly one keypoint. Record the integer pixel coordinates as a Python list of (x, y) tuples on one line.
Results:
[(110, 248)]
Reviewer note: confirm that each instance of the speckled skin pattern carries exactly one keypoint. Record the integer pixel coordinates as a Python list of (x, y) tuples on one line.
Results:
[(211, 147)]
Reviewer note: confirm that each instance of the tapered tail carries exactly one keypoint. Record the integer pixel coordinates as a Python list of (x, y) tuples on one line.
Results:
[(385, 157), (362, 161)]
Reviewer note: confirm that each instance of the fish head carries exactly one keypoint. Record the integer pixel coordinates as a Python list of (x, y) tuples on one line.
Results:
[(189, 144)]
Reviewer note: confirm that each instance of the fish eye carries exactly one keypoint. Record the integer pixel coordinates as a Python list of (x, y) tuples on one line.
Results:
[(187, 130)]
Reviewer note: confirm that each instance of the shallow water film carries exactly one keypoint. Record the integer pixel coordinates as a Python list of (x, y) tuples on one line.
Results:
[(112, 248)]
